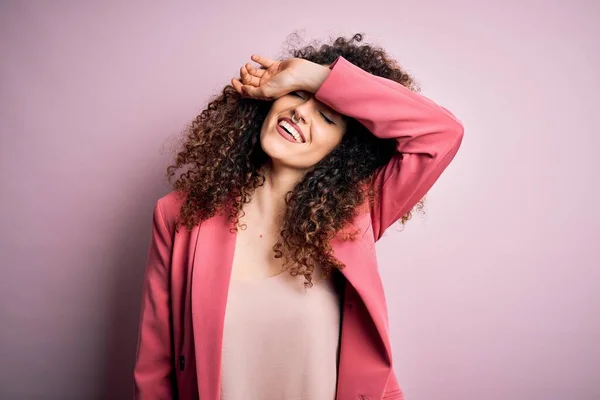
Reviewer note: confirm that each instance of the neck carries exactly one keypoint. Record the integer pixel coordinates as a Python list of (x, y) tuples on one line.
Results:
[(269, 199)]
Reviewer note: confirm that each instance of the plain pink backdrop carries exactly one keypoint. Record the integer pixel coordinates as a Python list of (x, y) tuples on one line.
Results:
[(493, 295)]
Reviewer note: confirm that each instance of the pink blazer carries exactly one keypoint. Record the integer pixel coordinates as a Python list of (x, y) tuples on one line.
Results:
[(187, 273)]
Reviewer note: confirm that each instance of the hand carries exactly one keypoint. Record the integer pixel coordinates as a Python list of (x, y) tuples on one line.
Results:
[(276, 79)]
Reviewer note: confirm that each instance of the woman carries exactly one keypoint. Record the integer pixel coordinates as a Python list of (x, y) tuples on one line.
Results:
[(312, 157)]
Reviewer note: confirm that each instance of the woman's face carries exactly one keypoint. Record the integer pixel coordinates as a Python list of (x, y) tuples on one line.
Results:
[(318, 130)]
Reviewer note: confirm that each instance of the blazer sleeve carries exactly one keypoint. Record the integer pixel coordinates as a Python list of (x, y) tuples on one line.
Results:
[(153, 364), (428, 135)]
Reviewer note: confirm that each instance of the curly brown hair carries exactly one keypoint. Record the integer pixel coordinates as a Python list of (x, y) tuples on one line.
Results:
[(222, 155)]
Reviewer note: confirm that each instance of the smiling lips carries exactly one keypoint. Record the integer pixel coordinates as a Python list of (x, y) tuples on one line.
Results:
[(291, 130)]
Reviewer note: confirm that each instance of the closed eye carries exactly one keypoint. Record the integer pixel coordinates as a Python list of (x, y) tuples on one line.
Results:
[(329, 121)]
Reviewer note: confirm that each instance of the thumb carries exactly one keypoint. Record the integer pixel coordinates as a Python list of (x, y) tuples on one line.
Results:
[(254, 92)]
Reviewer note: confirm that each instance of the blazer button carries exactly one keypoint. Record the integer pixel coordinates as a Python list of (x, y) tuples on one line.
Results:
[(350, 305)]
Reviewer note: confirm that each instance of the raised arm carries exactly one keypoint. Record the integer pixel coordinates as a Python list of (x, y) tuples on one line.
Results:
[(153, 364), (428, 135)]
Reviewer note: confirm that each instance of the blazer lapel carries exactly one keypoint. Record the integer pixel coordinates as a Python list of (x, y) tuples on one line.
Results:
[(362, 274), (210, 279)]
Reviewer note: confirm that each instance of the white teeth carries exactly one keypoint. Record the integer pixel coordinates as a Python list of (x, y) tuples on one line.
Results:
[(292, 131)]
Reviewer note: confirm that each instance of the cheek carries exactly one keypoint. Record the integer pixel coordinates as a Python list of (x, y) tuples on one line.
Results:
[(325, 142)]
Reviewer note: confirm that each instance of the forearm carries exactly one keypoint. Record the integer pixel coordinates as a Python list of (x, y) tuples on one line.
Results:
[(312, 76), (386, 108)]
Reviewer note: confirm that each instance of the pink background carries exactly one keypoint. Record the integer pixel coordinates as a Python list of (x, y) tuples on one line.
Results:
[(493, 295)]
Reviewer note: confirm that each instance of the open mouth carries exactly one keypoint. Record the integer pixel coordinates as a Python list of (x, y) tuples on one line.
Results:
[(291, 129)]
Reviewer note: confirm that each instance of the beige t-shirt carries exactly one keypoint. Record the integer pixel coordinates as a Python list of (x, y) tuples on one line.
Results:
[(281, 341)]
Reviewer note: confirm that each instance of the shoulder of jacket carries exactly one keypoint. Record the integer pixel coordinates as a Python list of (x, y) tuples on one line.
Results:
[(169, 206)]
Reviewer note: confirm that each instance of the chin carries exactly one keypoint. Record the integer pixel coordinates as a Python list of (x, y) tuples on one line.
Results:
[(274, 146), (280, 150)]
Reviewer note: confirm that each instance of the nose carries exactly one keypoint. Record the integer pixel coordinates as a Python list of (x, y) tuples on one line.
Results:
[(302, 111)]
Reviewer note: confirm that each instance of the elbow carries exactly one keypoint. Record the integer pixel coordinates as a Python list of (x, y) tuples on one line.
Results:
[(449, 140), (454, 134), (454, 128), (457, 129)]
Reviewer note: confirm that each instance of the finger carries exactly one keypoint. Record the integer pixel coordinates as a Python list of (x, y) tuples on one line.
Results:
[(237, 85), (267, 62), (247, 78), (245, 90), (255, 71), (244, 75)]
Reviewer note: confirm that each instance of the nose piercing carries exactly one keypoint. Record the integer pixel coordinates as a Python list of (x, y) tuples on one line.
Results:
[(294, 118)]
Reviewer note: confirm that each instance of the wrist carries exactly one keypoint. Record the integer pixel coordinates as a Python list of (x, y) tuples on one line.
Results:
[(313, 76)]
